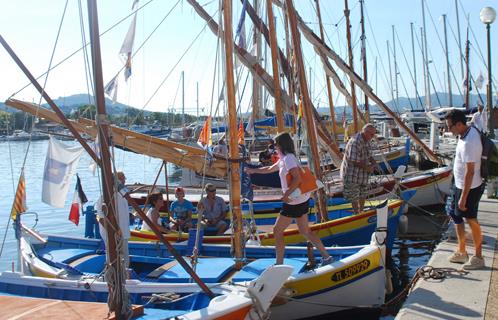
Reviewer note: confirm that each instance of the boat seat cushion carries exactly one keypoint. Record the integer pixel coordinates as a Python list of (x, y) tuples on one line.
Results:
[(63, 255), (254, 269), (210, 270)]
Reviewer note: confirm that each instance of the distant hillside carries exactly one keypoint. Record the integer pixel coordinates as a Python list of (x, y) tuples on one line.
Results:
[(70, 103), (441, 99)]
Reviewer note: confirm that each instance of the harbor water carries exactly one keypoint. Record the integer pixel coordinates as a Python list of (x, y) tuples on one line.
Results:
[(409, 253)]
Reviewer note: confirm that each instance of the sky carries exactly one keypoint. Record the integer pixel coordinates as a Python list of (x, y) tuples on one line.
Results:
[(171, 39)]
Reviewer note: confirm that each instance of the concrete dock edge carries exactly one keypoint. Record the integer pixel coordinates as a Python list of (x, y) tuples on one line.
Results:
[(470, 296)]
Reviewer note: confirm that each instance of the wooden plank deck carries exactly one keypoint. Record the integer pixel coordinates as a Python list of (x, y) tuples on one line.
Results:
[(17, 308)]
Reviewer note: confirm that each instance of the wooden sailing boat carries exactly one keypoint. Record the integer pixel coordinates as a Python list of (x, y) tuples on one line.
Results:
[(114, 285), (330, 284)]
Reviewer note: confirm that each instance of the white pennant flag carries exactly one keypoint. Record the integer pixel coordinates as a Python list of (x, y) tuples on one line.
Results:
[(60, 166), (111, 89), (479, 82), (127, 46)]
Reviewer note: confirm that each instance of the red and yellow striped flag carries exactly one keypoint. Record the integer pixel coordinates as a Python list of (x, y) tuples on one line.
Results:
[(241, 133), (205, 135), (19, 205)]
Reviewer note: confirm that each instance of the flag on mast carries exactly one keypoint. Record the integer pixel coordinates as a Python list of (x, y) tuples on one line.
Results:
[(127, 46), (205, 139), (240, 134), (60, 166), (19, 205), (111, 89), (79, 199)]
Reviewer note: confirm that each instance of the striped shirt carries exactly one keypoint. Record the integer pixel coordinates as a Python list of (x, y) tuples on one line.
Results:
[(357, 149)]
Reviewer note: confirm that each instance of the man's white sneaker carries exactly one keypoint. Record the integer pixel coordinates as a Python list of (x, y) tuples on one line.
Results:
[(459, 257), (474, 263)]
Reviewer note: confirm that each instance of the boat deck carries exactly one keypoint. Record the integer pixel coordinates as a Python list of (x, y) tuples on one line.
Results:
[(15, 307), (460, 296)]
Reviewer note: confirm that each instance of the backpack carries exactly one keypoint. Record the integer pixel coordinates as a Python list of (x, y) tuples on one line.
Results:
[(489, 157)]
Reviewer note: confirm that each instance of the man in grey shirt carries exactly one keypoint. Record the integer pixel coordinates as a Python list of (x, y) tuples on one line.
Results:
[(214, 210)]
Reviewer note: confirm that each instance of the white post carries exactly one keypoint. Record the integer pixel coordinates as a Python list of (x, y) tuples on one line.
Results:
[(434, 136)]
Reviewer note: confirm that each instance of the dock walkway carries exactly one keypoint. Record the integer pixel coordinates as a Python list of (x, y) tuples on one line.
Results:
[(470, 296)]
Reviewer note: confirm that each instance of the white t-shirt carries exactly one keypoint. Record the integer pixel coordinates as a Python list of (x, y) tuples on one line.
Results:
[(285, 164), (123, 214), (479, 120), (469, 149), (145, 226)]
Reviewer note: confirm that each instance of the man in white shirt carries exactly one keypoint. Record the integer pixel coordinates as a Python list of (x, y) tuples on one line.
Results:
[(468, 188), (122, 215), (480, 119)]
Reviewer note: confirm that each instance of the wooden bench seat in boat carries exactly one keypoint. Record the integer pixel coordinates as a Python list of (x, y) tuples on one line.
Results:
[(254, 269)]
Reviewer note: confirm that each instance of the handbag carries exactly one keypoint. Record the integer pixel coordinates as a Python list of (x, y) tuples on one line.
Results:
[(309, 182)]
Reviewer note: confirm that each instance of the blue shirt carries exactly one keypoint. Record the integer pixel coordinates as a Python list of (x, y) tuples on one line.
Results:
[(180, 210)]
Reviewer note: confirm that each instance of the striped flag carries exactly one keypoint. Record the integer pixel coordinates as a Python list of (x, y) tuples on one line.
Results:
[(205, 139), (19, 205), (240, 134), (79, 199)]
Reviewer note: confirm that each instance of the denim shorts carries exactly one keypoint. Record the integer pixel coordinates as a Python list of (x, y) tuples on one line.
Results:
[(472, 204)]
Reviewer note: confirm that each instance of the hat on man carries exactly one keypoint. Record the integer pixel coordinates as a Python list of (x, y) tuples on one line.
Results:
[(179, 189), (210, 187)]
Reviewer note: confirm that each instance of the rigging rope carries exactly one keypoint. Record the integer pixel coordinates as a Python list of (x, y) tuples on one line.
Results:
[(81, 48)]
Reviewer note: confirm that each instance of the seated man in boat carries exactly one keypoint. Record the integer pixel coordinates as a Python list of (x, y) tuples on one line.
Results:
[(214, 210), (221, 148), (156, 201), (181, 211), (357, 166)]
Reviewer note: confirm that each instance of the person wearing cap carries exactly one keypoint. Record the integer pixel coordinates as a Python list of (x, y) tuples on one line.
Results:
[(214, 210), (181, 212)]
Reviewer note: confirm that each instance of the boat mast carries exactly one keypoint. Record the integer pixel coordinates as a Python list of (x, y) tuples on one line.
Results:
[(467, 73), (288, 52), (450, 96), (459, 38), (351, 65), (341, 64), (329, 86), (307, 112), (364, 56), (279, 110), (428, 102), (115, 275), (256, 86), (390, 72), (183, 98), (197, 100), (234, 168), (414, 66), (395, 63)]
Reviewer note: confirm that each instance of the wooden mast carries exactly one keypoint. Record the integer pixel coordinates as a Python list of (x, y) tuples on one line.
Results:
[(351, 65), (115, 276), (364, 56), (234, 170), (329, 86), (467, 73), (323, 48), (290, 81), (256, 86), (279, 110), (308, 114)]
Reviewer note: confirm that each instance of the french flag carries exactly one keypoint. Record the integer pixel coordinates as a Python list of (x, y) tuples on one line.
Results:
[(79, 199)]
